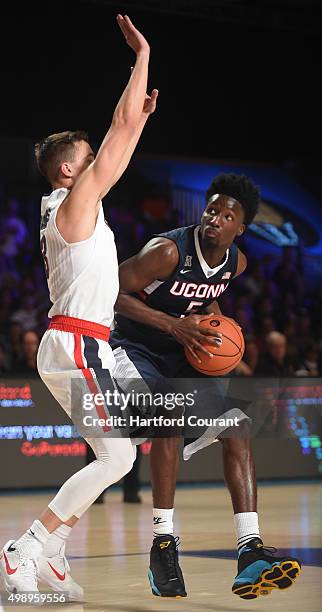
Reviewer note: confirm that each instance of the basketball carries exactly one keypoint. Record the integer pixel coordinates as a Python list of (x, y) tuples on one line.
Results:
[(227, 356)]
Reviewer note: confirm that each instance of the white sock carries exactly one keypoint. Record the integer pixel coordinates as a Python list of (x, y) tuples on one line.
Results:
[(162, 521), (33, 540), (246, 525), (56, 540)]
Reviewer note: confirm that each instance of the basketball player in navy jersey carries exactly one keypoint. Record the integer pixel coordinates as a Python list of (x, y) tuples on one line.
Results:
[(165, 291)]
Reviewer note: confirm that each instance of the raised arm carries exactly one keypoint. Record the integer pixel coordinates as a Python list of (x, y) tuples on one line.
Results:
[(148, 108), (77, 215), (157, 261)]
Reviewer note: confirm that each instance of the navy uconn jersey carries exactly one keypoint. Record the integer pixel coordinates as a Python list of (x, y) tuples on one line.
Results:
[(192, 287)]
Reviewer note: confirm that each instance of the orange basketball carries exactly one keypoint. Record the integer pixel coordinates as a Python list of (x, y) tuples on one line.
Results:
[(227, 356)]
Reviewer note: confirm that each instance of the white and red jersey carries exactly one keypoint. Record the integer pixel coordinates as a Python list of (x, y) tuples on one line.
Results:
[(82, 276)]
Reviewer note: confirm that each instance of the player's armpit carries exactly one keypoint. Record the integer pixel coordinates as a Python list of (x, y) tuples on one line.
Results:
[(241, 265)]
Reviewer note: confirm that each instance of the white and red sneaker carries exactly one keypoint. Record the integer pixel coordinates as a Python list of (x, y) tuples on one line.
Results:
[(55, 572), (18, 570)]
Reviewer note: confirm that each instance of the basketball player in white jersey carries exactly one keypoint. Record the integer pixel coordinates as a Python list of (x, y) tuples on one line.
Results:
[(82, 271)]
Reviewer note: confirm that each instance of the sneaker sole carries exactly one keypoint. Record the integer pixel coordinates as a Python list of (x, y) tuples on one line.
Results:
[(12, 590), (157, 593), (60, 588), (280, 576)]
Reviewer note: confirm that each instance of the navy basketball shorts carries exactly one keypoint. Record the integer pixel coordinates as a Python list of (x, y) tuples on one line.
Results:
[(207, 410)]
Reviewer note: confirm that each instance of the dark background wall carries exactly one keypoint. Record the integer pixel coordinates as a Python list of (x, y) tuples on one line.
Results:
[(236, 79)]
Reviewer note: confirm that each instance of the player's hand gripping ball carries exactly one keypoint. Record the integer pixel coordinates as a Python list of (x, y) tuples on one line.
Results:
[(227, 356)]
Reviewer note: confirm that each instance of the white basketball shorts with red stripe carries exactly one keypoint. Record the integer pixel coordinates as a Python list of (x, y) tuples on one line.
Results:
[(72, 348)]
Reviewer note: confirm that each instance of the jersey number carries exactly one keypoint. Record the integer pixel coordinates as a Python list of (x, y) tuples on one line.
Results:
[(43, 246), (192, 308)]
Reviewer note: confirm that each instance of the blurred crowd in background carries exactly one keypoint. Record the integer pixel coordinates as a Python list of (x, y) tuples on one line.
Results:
[(281, 319)]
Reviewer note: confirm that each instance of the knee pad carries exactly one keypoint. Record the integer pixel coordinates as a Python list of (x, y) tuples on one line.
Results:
[(117, 463)]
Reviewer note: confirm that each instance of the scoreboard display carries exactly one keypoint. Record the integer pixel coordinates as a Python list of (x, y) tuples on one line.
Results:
[(40, 446)]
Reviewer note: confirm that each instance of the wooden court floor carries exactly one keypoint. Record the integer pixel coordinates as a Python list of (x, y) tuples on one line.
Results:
[(108, 550)]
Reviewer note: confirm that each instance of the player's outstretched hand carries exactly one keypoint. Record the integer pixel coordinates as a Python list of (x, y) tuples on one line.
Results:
[(150, 102), (186, 330), (133, 37)]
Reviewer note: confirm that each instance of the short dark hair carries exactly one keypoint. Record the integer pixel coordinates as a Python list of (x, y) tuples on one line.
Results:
[(240, 188), (52, 151)]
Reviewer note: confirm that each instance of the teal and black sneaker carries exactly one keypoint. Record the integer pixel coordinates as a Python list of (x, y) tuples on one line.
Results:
[(259, 571), (165, 574)]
